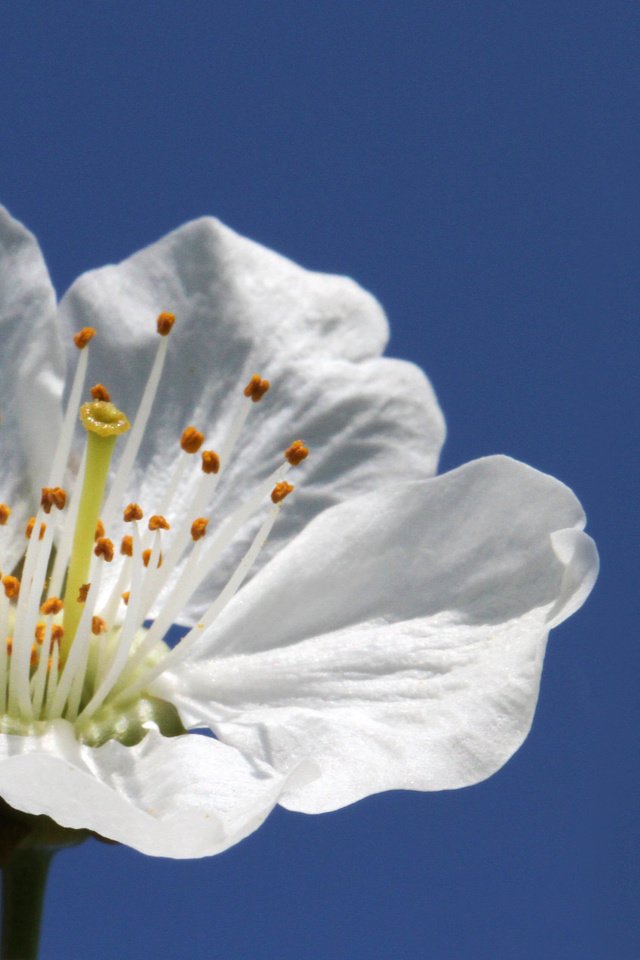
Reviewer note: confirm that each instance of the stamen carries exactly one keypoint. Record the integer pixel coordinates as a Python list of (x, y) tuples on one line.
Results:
[(199, 528), (210, 461), (29, 528), (126, 546), (281, 490), (256, 388), (11, 587), (191, 440), (99, 530), (51, 606), (53, 497), (82, 337), (5, 513), (146, 558), (83, 593), (104, 548), (100, 392), (296, 453), (164, 323), (158, 522), (98, 626), (132, 512)]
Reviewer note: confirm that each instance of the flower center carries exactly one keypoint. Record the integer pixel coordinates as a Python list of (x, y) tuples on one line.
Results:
[(75, 639)]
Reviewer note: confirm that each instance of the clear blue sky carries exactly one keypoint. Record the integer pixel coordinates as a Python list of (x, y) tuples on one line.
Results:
[(475, 165)]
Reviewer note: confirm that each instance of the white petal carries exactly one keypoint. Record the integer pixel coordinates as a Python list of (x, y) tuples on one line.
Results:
[(241, 309), (31, 374), (402, 635), (187, 796)]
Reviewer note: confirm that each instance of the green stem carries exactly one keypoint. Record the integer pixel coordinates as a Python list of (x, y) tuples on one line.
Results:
[(23, 885)]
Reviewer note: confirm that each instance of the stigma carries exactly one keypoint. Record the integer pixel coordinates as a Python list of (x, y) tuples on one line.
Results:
[(76, 639)]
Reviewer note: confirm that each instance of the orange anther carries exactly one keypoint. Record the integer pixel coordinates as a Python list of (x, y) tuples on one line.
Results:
[(125, 596), (199, 528), (40, 631), (191, 440), (210, 461), (256, 388), (9, 645), (99, 530), (29, 528), (296, 453), (53, 497), (158, 522), (132, 512), (82, 337), (98, 626), (146, 557), (165, 322), (83, 592), (100, 392), (11, 587), (281, 490), (5, 513), (126, 546), (35, 656), (104, 548), (57, 633), (51, 606)]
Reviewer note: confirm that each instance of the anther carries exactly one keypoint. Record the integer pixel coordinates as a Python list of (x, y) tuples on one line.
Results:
[(210, 461), (281, 490), (158, 522), (126, 546), (146, 557), (99, 530), (5, 513), (191, 440), (57, 632), (256, 388), (82, 337), (29, 528), (296, 453), (83, 593), (100, 392), (11, 587), (98, 626), (125, 596), (51, 606), (104, 549), (132, 512), (53, 497), (165, 322), (199, 528)]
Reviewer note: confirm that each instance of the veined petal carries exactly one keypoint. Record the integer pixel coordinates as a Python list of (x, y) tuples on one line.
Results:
[(185, 796), (240, 309), (31, 373), (398, 641)]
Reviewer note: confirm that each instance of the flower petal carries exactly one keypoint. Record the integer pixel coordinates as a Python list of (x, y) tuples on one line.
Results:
[(240, 309), (31, 374), (398, 641), (187, 796)]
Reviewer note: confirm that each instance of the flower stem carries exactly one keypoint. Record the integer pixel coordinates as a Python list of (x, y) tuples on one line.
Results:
[(23, 884)]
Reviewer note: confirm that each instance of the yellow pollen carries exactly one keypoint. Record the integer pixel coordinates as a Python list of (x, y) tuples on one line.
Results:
[(51, 606), (256, 388), (296, 453), (83, 593), (29, 528), (82, 337), (125, 596), (132, 512), (11, 587), (104, 548), (98, 626), (100, 392), (158, 522), (53, 497), (281, 490), (146, 557), (199, 528), (103, 418), (210, 461), (126, 546), (57, 633), (5, 513), (191, 440), (165, 322), (99, 530)]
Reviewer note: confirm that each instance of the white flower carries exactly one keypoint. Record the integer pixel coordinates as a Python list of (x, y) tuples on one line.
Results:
[(393, 633)]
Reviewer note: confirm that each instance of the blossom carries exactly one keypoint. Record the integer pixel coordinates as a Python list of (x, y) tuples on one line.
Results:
[(359, 626)]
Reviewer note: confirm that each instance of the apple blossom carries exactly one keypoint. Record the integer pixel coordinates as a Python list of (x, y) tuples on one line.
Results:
[(391, 628)]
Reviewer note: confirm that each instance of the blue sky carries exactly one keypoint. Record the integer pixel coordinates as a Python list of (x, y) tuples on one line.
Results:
[(475, 166)]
